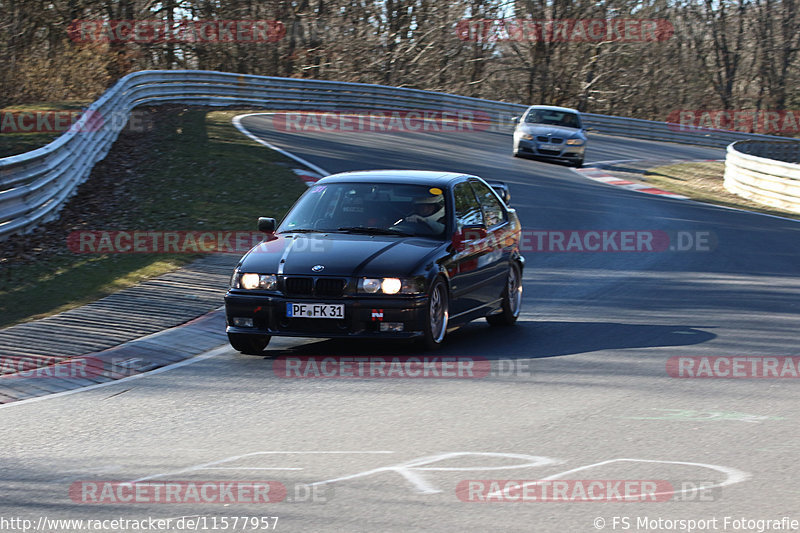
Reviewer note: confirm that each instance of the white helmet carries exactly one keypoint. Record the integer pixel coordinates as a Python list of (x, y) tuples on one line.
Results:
[(430, 209)]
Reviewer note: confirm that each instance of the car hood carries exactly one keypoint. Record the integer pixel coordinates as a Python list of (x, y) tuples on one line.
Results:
[(339, 255), (556, 131)]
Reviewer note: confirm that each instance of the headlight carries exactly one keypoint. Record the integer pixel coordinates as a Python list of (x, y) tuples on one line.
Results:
[(575, 142), (370, 285), (527, 136), (391, 285), (251, 281)]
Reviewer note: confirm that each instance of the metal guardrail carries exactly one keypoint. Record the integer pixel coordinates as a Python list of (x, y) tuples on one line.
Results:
[(766, 172), (666, 131), (35, 185)]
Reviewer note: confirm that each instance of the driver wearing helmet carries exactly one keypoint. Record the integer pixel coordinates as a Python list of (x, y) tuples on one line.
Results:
[(429, 211)]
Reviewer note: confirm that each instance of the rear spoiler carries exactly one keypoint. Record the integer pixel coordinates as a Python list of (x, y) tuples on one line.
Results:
[(501, 189)]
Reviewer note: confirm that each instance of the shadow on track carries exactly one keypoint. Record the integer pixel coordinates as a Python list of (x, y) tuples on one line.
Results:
[(526, 340)]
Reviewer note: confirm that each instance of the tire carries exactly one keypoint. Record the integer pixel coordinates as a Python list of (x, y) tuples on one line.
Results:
[(249, 344), (512, 299), (437, 315), (579, 163)]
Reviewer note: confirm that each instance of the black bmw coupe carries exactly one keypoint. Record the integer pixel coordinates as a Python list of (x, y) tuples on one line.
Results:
[(386, 254)]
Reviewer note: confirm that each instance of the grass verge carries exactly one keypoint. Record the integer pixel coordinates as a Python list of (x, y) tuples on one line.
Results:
[(14, 140), (192, 171), (704, 182)]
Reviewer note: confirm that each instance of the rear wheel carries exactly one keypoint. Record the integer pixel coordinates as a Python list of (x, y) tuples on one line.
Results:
[(249, 344), (512, 299), (437, 315)]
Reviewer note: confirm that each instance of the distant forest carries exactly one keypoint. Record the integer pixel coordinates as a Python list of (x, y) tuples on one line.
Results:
[(645, 59)]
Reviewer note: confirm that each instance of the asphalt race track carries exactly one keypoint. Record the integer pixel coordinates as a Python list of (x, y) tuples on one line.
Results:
[(585, 393)]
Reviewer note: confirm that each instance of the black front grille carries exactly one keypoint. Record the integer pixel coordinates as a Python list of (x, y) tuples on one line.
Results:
[(330, 287), (327, 287), (299, 286), (551, 140)]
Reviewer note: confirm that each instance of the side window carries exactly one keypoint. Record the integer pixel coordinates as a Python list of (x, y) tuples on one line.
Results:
[(468, 210), (493, 211)]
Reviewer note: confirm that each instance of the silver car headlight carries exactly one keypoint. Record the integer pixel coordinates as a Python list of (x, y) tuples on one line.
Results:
[(575, 142), (526, 136)]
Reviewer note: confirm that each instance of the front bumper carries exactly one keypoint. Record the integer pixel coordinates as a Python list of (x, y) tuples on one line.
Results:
[(565, 152), (269, 316)]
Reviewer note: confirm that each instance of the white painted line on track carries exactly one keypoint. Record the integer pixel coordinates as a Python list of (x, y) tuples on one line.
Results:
[(733, 475), (408, 469), (237, 122), (252, 468), (201, 357), (208, 466)]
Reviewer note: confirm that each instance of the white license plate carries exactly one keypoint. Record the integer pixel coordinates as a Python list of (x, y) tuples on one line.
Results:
[(549, 147), (314, 310)]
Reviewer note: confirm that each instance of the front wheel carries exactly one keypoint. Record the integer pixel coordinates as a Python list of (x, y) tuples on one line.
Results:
[(578, 163), (437, 315), (249, 344), (512, 299)]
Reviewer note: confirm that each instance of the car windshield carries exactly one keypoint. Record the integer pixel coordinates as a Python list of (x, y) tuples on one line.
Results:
[(370, 208), (565, 119)]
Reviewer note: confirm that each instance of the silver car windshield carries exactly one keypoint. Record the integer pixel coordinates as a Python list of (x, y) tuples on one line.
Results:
[(553, 118)]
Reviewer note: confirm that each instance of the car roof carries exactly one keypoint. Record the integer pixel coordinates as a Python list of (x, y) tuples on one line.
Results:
[(554, 108), (418, 177)]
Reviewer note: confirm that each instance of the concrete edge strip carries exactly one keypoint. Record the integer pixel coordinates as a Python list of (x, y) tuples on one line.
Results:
[(150, 354), (599, 175), (191, 360), (132, 359)]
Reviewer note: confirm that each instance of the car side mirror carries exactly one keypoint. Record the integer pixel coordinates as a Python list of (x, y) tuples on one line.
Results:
[(501, 189), (516, 120), (266, 224)]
